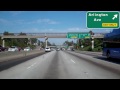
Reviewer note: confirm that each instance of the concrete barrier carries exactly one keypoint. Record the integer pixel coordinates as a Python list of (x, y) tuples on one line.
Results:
[(14, 55)]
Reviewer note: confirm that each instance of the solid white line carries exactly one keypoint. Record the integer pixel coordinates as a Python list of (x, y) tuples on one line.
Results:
[(72, 61)]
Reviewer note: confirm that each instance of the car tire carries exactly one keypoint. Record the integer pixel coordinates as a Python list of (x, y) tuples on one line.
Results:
[(108, 56)]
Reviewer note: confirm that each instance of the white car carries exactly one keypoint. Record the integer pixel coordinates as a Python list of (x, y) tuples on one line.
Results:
[(27, 49), (58, 49), (13, 49), (47, 49)]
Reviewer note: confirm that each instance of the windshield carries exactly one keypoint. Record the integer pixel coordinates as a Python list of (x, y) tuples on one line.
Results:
[(60, 44), (47, 48)]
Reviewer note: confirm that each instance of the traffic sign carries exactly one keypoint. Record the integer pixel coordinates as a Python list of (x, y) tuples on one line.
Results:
[(84, 35), (72, 35), (78, 35), (102, 19)]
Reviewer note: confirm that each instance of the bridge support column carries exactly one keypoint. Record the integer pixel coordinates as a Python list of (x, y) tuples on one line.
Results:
[(30, 42), (92, 42), (3, 42), (46, 43)]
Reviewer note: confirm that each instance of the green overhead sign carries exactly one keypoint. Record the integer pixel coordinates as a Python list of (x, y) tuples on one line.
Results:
[(78, 35), (72, 35), (102, 19), (84, 35)]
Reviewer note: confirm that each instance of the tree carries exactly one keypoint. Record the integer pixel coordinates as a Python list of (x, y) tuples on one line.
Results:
[(91, 32), (53, 44), (39, 42), (22, 33), (33, 40), (68, 43)]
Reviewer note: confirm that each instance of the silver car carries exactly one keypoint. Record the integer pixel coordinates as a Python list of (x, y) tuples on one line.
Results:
[(13, 49), (27, 49), (47, 49)]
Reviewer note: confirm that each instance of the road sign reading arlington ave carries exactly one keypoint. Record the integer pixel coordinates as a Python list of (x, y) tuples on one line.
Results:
[(102, 19), (73, 35)]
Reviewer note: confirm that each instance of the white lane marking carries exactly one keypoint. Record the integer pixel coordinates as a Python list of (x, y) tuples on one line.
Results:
[(31, 66), (72, 61)]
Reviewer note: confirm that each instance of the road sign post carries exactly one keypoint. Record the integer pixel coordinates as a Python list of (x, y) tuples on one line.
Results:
[(102, 19)]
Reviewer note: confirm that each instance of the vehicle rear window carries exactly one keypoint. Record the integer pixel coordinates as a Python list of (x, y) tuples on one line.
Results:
[(12, 47)]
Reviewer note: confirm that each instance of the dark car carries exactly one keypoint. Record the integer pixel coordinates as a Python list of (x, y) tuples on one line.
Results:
[(72, 49), (2, 48)]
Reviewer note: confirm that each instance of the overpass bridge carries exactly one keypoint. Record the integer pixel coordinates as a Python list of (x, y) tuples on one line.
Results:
[(42, 35)]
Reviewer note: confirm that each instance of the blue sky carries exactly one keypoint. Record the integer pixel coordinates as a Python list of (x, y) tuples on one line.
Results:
[(44, 21)]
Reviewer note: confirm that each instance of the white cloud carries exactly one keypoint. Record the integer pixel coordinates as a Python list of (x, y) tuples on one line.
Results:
[(48, 21), (77, 29), (19, 21), (5, 21), (31, 30), (16, 12), (39, 21)]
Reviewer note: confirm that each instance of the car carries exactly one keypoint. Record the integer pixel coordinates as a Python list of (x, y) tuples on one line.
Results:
[(2, 48), (72, 49), (27, 49), (57, 49), (13, 49), (47, 49)]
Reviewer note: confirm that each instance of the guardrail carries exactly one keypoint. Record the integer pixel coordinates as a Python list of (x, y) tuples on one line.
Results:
[(4, 56)]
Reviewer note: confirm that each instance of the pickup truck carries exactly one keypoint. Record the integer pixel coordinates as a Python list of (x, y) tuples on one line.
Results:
[(2, 48)]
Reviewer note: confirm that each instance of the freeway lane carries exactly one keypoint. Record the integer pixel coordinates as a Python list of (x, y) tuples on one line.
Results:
[(63, 65)]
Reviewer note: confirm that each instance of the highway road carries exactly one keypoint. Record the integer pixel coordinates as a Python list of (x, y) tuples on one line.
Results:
[(63, 65)]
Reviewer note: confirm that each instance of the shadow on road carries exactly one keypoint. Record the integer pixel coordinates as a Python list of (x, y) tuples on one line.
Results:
[(113, 60)]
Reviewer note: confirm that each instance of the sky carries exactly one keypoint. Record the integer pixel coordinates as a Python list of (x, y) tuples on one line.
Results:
[(45, 21)]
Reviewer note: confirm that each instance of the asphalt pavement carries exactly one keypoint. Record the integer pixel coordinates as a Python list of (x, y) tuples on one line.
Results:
[(63, 65)]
